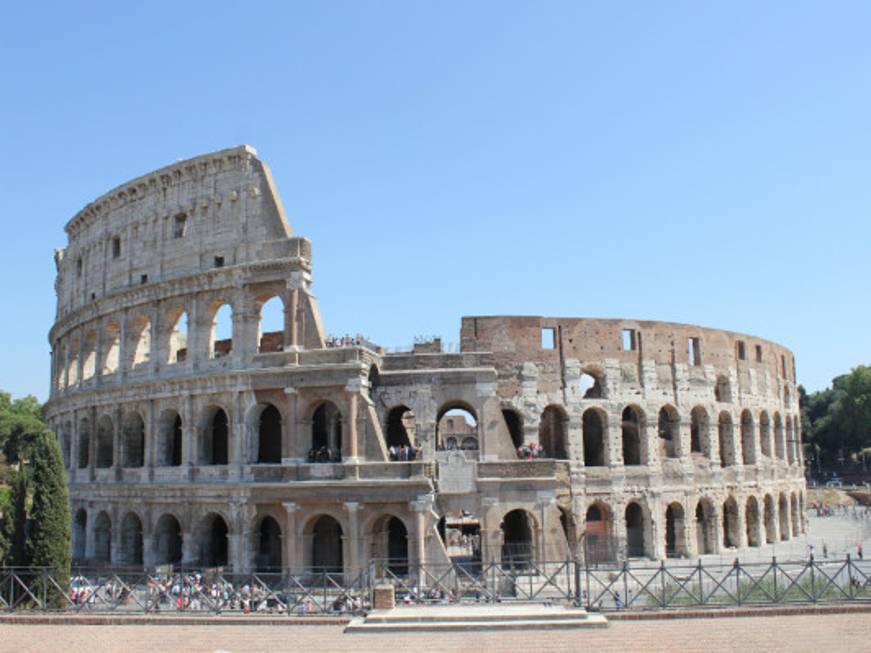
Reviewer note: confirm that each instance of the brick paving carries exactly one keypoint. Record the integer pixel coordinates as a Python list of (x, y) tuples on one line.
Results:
[(772, 634)]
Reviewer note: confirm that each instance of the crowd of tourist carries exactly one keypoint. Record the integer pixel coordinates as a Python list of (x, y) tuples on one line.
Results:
[(530, 451), (403, 453), (841, 510), (324, 455), (346, 341)]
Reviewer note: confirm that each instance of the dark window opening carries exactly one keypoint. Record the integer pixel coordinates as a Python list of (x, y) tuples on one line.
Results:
[(219, 261), (116, 247), (179, 226), (694, 352)]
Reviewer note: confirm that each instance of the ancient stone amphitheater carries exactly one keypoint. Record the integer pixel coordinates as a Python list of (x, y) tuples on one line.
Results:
[(535, 437)]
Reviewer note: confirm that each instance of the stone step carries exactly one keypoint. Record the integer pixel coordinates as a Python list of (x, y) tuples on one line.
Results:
[(361, 626)]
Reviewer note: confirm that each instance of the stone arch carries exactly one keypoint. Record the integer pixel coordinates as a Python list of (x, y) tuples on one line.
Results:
[(103, 537), (176, 339), (748, 440), (726, 433), (270, 323), (751, 519), (400, 427), (325, 538), (783, 516), (268, 422), (669, 432), (633, 428), (133, 449), (141, 340), (131, 539), (722, 389), (764, 434), (455, 419), (552, 432), (169, 439), (167, 540), (514, 424), (700, 435), (269, 553), (592, 383), (389, 543), (84, 443), (105, 442), (731, 537), (66, 444), (220, 329), (770, 519), (794, 514), (675, 531), (80, 534), (518, 544), (598, 533), (73, 363), (594, 423), (111, 348), (89, 356), (779, 444), (706, 540), (636, 538), (213, 540), (214, 441), (326, 433)]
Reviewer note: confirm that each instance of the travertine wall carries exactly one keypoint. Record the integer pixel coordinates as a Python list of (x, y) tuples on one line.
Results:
[(270, 449)]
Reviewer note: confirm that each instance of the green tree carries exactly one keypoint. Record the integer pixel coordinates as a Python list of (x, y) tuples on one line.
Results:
[(16, 526)]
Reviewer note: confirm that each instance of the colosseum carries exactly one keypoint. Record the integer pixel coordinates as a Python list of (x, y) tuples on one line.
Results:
[(534, 438)]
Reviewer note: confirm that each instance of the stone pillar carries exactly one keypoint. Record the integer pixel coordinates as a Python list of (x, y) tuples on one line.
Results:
[(236, 553), (115, 552), (291, 330), (149, 457), (353, 548), (290, 429), (118, 442), (656, 546), (188, 433), (491, 534), (74, 448), (614, 439), (349, 446), (189, 552), (90, 539), (420, 508), (149, 553), (195, 344), (123, 347), (238, 439), (290, 539), (741, 523), (245, 327)]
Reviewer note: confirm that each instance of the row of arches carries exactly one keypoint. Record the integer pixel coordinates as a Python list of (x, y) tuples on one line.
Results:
[(107, 347)]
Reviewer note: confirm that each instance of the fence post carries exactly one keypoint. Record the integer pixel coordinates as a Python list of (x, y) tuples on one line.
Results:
[(625, 583), (737, 566), (850, 576), (44, 590), (662, 582), (702, 599), (774, 574), (813, 579)]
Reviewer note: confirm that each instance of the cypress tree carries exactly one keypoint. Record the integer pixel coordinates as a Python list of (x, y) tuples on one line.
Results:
[(16, 523), (49, 541)]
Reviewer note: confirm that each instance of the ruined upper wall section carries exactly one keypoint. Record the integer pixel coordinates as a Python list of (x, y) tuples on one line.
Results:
[(216, 210)]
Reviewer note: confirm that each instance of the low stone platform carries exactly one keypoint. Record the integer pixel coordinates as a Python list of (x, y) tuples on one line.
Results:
[(474, 617)]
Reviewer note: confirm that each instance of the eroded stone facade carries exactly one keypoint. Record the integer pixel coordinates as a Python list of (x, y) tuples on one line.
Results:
[(268, 450)]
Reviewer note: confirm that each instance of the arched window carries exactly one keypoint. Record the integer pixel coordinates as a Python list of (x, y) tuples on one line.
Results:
[(167, 540), (212, 537), (796, 526), (169, 439), (783, 516), (779, 443), (635, 537), (594, 438), (103, 538), (632, 427), (705, 527), (730, 524), (455, 421), (748, 439), (326, 434), (105, 442), (764, 434), (723, 389), (400, 427), (770, 519), (131, 539), (325, 553), (270, 333), (215, 440), (552, 433), (84, 443), (751, 517), (269, 436), (390, 544), (80, 531), (514, 424), (177, 340), (598, 540), (727, 440), (675, 531), (134, 441), (700, 438), (221, 332), (669, 432), (269, 546), (517, 544)]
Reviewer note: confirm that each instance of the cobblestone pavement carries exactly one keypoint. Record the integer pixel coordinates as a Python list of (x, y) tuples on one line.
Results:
[(817, 633)]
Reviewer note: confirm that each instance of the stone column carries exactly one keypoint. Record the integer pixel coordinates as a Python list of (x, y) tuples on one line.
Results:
[(353, 564), (236, 553), (290, 429), (189, 552), (149, 456), (741, 523), (118, 441), (148, 549), (74, 448), (115, 552), (238, 434), (491, 534), (349, 446), (290, 320), (614, 438), (123, 347), (195, 343), (290, 539)]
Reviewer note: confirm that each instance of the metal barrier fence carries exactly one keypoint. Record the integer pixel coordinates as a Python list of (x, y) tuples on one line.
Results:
[(670, 585)]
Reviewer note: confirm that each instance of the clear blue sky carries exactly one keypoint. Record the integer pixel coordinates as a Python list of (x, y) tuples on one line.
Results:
[(695, 162)]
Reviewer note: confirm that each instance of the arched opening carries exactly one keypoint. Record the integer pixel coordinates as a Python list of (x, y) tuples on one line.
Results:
[(134, 441), (111, 348), (514, 425), (167, 541), (141, 341), (632, 427), (598, 538), (169, 439), (591, 384), (751, 519), (469, 444), (669, 432), (455, 422), (770, 519), (66, 445), (635, 545), (73, 363), (131, 539), (722, 390), (700, 439), (221, 331), (786, 397), (675, 531), (705, 528), (84, 443), (213, 541), (748, 441), (730, 524), (326, 545), (326, 434), (779, 444), (517, 543), (783, 515), (727, 440), (89, 356), (269, 546), (461, 535), (105, 442), (270, 328), (269, 436), (103, 538), (390, 544), (790, 449), (80, 534), (400, 429), (552, 433), (594, 438), (764, 434), (214, 443), (177, 342)]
